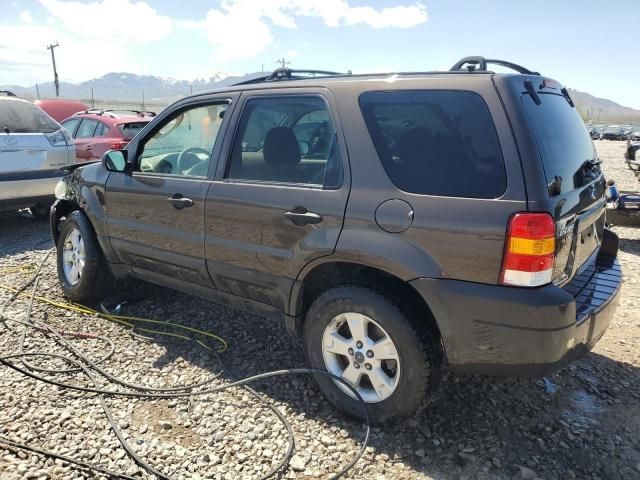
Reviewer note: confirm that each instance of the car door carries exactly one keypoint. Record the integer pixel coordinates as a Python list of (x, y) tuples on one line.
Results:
[(84, 139), (101, 141), (279, 200), (156, 212)]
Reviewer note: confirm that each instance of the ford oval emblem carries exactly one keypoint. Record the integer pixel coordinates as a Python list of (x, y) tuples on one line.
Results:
[(10, 140)]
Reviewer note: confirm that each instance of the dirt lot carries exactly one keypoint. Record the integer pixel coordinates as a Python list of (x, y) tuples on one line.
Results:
[(479, 427)]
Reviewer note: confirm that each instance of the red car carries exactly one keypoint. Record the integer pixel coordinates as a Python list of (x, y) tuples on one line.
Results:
[(96, 131)]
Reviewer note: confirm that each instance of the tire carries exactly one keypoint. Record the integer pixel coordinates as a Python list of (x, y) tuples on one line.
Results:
[(95, 278), (40, 211), (420, 354)]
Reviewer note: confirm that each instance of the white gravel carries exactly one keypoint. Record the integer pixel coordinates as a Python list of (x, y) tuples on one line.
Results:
[(480, 427)]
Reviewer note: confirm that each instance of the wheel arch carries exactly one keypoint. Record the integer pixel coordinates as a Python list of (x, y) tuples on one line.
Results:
[(324, 275)]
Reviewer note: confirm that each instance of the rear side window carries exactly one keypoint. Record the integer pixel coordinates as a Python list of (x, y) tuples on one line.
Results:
[(25, 117), (436, 142), (562, 138), (289, 139), (130, 130)]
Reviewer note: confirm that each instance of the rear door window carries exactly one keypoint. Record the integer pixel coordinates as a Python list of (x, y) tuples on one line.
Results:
[(86, 128), (24, 117), (436, 142), (563, 141)]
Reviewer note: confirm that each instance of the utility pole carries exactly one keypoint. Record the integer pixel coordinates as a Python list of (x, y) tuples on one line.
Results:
[(283, 62), (55, 72), (37, 91), (93, 103)]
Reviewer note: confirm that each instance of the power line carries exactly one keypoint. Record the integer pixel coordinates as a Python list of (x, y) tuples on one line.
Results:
[(55, 72)]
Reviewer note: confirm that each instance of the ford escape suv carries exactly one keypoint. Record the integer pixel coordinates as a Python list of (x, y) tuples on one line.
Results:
[(399, 223)]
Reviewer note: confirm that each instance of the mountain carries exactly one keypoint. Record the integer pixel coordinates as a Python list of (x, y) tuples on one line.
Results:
[(127, 87), (122, 86), (601, 110)]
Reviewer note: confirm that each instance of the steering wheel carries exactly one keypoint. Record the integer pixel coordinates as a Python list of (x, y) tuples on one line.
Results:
[(188, 158)]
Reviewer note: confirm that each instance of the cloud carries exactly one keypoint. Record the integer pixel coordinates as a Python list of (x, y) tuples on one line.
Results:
[(25, 16), (118, 20), (32, 54), (243, 28)]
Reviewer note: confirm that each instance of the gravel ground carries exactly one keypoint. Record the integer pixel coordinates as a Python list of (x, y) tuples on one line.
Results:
[(479, 427)]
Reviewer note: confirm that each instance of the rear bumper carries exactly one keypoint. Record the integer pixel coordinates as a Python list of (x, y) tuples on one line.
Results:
[(506, 331), (28, 190)]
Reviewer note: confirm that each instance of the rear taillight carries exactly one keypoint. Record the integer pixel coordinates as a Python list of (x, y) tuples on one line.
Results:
[(529, 251), (119, 145)]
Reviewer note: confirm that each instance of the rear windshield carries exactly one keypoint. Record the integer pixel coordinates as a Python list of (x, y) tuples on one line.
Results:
[(563, 140), (130, 130), (25, 117), (436, 142)]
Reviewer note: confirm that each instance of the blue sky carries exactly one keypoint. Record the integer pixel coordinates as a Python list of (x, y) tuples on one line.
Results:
[(582, 43)]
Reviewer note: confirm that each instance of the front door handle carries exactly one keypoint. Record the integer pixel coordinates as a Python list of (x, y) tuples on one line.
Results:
[(301, 216), (179, 202)]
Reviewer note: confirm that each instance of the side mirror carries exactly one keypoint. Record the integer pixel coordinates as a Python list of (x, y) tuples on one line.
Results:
[(115, 160)]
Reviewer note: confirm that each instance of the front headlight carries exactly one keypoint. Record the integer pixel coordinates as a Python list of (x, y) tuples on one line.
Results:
[(61, 190)]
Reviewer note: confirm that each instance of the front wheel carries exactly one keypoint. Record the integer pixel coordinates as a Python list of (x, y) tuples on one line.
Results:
[(364, 338), (82, 270)]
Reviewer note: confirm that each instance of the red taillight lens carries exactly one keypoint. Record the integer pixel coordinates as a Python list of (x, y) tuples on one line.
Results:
[(119, 145), (529, 250)]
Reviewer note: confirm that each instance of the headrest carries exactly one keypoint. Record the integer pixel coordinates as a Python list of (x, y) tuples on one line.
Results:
[(281, 147)]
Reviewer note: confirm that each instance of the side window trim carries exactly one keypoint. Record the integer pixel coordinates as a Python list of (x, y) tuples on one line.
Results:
[(237, 121), (138, 148)]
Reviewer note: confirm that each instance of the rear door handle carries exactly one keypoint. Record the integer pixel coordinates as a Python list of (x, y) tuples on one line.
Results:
[(179, 202), (301, 216)]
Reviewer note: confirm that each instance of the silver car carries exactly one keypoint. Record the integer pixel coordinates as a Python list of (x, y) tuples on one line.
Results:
[(33, 148)]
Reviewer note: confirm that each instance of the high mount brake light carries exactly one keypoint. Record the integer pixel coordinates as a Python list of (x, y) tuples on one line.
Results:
[(529, 251)]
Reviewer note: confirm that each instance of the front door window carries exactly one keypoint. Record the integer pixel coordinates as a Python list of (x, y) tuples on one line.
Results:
[(184, 144)]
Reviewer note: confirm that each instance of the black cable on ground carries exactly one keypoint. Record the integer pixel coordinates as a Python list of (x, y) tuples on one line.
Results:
[(87, 366)]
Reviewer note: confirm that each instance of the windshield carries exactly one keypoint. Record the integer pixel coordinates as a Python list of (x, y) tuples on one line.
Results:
[(563, 141), (24, 117)]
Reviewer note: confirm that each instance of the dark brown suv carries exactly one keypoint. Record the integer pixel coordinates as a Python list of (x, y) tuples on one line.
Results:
[(399, 223)]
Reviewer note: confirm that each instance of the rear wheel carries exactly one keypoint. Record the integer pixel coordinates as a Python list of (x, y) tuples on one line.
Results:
[(364, 338), (82, 270)]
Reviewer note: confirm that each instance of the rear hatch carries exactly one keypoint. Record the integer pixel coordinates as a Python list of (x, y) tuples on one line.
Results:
[(575, 186), (30, 140)]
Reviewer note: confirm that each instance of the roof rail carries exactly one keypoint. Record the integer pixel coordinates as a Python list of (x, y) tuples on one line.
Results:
[(289, 74), (7, 93), (479, 64), (111, 112)]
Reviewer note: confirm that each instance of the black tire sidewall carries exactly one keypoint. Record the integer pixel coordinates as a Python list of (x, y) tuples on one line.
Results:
[(95, 273), (415, 365)]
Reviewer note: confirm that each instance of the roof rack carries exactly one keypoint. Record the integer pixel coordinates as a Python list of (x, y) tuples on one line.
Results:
[(7, 93), (288, 74), (479, 64), (111, 112)]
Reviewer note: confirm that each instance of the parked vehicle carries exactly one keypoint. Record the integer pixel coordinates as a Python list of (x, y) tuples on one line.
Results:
[(631, 155), (635, 136), (96, 131), (595, 133), (33, 148), (614, 132), (444, 235), (59, 109)]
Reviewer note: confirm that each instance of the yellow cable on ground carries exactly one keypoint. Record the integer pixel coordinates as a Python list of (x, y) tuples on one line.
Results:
[(125, 320)]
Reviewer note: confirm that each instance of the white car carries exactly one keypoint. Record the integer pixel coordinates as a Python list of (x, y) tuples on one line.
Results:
[(33, 148)]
